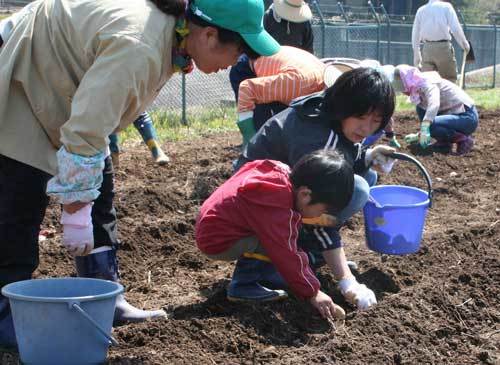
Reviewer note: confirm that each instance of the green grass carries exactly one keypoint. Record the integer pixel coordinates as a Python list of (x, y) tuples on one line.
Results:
[(485, 98), (214, 120), (169, 127)]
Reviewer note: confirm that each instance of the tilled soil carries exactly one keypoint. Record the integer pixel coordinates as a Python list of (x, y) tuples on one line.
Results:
[(439, 306)]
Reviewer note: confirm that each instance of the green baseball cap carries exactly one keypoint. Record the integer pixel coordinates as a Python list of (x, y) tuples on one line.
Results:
[(240, 16)]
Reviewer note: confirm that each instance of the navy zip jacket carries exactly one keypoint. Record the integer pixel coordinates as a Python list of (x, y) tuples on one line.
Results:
[(297, 131)]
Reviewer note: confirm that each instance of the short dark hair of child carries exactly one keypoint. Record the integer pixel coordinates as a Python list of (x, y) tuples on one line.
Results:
[(225, 36), (329, 177), (356, 93)]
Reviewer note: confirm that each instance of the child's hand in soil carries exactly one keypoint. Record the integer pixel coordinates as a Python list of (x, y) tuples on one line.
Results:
[(326, 307), (356, 293)]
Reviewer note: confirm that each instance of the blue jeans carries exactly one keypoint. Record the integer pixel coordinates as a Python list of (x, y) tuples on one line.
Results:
[(445, 126), (262, 112), (144, 126), (359, 196)]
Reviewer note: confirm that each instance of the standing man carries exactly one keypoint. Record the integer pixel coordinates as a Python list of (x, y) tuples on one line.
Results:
[(289, 22), (434, 24)]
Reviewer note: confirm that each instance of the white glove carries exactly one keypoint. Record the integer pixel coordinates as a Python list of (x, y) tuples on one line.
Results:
[(356, 293), (78, 231), (378, 156)]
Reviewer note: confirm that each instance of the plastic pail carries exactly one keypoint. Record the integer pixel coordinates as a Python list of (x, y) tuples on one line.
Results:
[(63, 320), (395, 215)]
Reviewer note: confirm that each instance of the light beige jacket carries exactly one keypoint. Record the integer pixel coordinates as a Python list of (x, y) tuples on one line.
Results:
[(73, 72)]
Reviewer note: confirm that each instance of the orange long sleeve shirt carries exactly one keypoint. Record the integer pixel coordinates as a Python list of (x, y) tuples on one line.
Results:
[(288, 74)]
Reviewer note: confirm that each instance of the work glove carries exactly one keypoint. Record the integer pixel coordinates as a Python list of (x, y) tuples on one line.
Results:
[(356, 293), (411, 138), (378, 157), (78, 232), (425, 134), (246, 126)]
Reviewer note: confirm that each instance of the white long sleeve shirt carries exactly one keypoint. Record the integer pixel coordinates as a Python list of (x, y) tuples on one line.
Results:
[(435, 21), (440, 96)]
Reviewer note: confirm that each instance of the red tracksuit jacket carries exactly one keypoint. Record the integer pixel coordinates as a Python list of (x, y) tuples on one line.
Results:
[(258, 201)]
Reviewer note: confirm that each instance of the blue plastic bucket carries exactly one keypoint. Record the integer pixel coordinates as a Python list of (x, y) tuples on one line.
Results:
[(396, 226), (395, 215), (63, 320)]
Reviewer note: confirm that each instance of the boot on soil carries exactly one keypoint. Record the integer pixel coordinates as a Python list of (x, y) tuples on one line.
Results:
[(159, 157), (269, 276), (245, 284), (464, 143), (104, 265), (441, 146), (7, 334)]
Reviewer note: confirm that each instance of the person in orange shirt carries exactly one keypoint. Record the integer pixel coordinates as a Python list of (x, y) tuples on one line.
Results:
[(288, 74)]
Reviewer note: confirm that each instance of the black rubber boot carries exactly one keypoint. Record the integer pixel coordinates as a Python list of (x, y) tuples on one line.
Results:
[(245, 284), (104, 265)]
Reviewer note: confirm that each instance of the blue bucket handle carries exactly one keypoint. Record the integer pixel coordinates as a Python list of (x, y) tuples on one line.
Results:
[(76, 306), (405, 157)]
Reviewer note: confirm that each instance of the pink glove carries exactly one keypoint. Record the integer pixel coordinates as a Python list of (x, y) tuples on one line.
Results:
[(78, 231)]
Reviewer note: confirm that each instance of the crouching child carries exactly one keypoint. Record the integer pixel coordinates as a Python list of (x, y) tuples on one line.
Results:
[(257, 213)]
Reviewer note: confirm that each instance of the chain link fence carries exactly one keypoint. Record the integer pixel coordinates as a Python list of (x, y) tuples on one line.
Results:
[(12, 5), (339, 31)]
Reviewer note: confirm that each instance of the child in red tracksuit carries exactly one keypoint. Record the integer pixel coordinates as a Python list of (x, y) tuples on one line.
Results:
[(258, 211)]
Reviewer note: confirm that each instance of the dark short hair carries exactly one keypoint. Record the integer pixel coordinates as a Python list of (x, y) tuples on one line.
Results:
[(224, 35), (171, 7), (356, 93), (329, 177)]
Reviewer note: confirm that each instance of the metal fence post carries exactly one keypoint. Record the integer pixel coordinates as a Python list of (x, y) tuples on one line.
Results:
[(374, 13), (183, 95), (494, 56), (346, 19), (389, 33), (323, 27)]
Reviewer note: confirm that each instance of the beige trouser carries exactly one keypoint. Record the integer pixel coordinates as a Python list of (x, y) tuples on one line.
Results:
[(440, 57), (245, 245)]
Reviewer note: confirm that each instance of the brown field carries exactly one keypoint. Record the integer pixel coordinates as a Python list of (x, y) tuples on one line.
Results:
[(440, 306)]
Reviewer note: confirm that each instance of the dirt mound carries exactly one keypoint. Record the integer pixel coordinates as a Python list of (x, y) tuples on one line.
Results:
[(440, 306)]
